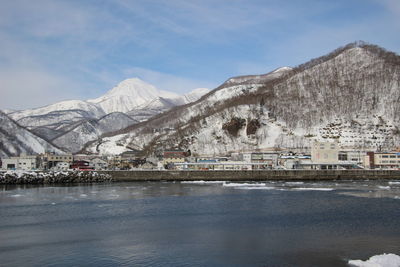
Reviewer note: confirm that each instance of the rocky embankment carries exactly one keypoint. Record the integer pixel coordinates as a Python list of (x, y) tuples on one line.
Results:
[(53, 177)]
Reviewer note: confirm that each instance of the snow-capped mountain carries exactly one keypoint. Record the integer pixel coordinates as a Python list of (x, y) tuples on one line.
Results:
[(351, 95), (130, 94), (69, 105), (55, 119), (73, 123), (15, 139)]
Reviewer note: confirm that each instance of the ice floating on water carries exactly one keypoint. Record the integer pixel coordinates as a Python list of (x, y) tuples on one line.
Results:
[(313, 189), (384, 260), (243, 184), (256, 187), (16, 195), (395, 182), (294, 183), (384, 187), (83, 195), (202, 182)]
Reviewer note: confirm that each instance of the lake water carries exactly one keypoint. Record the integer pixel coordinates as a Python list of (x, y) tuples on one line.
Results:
[(199, 224)]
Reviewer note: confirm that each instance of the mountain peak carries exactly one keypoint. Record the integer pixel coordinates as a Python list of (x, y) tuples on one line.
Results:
[(129, 94), (134, 87)]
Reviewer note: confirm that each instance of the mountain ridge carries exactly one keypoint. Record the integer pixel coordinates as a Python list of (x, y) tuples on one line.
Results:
[(55, 121), (301, 102), (16, 139)]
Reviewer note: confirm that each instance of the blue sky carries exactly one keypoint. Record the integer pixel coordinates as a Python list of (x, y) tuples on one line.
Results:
[(53, 50)]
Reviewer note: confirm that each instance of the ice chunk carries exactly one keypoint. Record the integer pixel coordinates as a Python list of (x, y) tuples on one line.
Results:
[(202, 182), (256, 187), (243, 184), (384, 260), (314, 189)]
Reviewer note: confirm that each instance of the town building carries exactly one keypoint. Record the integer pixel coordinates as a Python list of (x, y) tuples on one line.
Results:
[(382, 160), (82, 165), (325, 156), (62, 166), (50, 160), (170, 157), (23, 162), (131, 154), (325, 152), (98, 164), (265, 160)]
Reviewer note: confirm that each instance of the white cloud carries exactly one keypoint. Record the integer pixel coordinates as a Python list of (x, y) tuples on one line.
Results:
[(22, 89), (166, 81)]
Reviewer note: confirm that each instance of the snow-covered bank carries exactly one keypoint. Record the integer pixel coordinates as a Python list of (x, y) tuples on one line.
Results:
[(19, 177)]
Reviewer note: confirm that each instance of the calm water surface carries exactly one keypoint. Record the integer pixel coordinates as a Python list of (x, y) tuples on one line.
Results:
[(199, 224)]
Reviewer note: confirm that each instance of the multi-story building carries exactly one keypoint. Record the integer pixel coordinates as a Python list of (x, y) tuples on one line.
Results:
[(51, 160), (382, 160), (324, 152), (174, 156), (265, 160), (98, 164), (23, 162)]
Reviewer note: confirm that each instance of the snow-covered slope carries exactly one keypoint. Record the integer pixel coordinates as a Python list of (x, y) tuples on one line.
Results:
[(15, 139), (69, 105), (137, 98), (195, 94), (90, 130), (351, 95)]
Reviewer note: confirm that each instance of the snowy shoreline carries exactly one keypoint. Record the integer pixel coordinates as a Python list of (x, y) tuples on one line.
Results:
[(43, 177), (24, 177)]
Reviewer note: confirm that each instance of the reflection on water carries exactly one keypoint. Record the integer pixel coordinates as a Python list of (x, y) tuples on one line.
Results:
[(199, 223)]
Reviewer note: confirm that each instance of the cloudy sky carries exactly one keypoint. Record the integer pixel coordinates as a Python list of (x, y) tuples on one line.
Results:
[(53, 50)]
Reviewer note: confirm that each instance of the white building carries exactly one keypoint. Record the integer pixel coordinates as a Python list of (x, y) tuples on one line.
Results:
[(325, 152), (62, 166), (23, 162), (99, 164)]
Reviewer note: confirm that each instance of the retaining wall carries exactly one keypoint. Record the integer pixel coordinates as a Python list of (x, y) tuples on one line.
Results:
[(153, 175)]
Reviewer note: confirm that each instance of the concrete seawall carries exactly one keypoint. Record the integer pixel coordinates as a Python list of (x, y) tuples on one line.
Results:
[(152, 175)]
